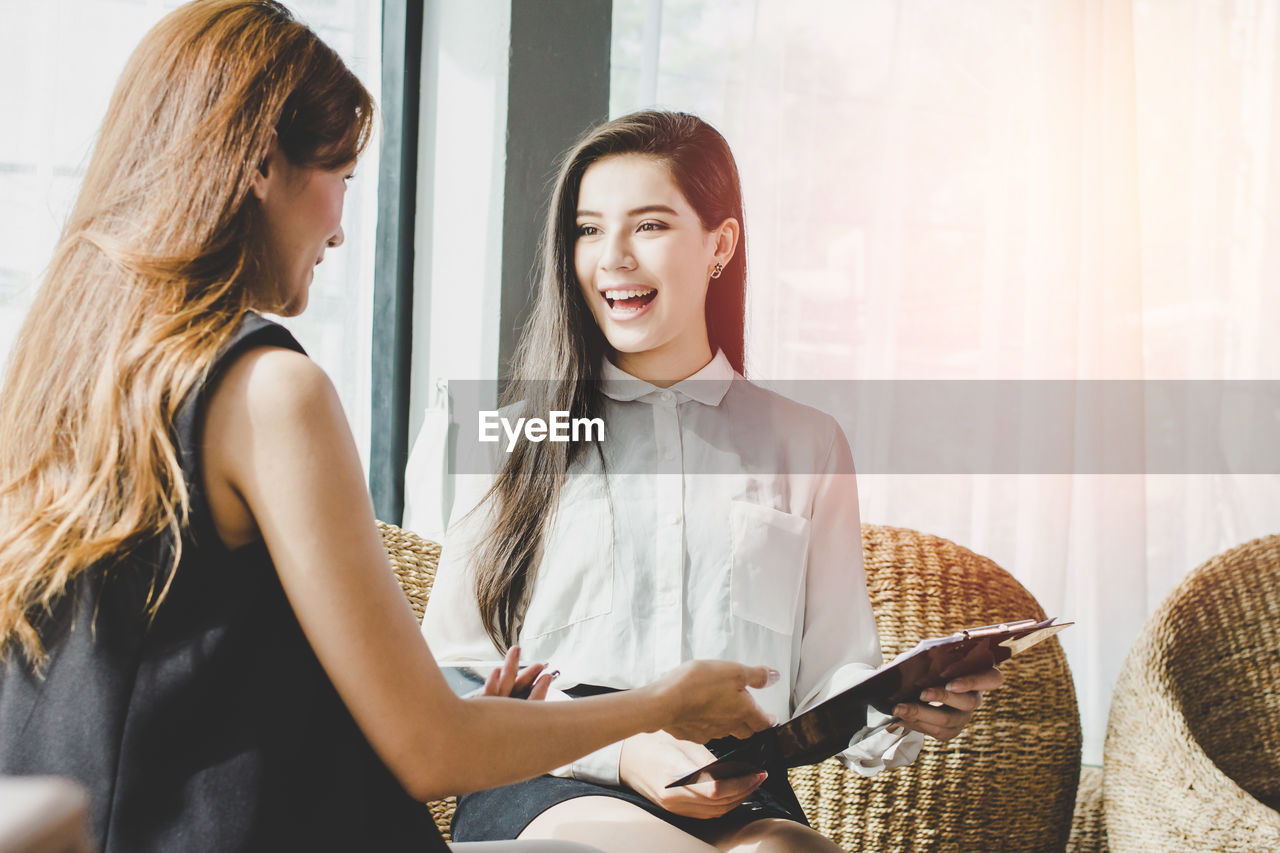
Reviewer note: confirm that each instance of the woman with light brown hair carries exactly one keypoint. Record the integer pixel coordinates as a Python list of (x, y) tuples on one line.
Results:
[(197, 617)]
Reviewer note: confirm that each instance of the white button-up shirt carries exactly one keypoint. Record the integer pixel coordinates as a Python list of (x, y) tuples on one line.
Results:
[(726, 527)]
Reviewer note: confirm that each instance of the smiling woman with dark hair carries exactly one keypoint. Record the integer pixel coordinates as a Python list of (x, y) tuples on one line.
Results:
[(715, 519)]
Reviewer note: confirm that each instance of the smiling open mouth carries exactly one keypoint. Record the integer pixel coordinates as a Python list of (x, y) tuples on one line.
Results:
[(629, 300)]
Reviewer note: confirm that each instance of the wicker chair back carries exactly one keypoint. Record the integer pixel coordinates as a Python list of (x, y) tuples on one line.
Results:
[(1193, 739), (1008, 782)]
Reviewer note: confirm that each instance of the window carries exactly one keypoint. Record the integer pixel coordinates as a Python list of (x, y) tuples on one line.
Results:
[(65, 56), (1003, 189)]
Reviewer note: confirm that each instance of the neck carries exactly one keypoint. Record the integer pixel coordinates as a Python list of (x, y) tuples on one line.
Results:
[(661, 367)]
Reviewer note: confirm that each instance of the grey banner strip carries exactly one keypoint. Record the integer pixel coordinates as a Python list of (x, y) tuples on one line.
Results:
[(1041, 427)]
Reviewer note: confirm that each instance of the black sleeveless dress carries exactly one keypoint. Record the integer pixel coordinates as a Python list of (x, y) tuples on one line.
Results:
[(214, 727)]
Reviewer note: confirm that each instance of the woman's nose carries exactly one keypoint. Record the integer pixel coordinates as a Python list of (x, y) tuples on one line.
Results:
[(617, 254), (336, 239)]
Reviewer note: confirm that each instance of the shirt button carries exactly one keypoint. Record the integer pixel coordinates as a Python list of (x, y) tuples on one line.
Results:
[(668, 397), (673, 518)]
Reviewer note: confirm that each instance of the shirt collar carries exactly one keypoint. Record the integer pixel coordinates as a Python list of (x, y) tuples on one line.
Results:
[(708, 386)]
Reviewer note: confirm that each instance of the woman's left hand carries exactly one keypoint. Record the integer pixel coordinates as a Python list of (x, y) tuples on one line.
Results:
[(959, 699), (507, 680)]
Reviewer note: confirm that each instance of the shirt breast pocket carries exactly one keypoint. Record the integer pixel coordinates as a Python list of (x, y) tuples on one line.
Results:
[(770, 548), (575, 579)]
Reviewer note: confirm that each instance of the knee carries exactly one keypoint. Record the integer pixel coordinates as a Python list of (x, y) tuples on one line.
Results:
[(539, 846), (569, 818), (778, 835)]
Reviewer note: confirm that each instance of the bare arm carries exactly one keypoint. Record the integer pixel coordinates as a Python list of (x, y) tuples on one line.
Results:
[(280, 463)]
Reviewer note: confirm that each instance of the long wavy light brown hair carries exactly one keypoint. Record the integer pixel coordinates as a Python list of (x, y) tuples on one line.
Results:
[(159, 261), (557, 364)]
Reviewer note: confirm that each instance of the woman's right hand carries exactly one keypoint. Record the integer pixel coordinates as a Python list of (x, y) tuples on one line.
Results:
[(508, 680), (707, 699), (651, 761)]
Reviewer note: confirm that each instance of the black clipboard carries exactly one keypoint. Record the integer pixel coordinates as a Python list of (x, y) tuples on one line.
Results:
[(828, 728)]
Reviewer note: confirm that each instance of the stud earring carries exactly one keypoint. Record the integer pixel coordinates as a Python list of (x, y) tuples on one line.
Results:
[(719, 268)]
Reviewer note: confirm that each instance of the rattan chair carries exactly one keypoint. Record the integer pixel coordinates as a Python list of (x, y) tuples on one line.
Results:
[(414, 560), (1007, 783), (1192, 758), (1088, 825)]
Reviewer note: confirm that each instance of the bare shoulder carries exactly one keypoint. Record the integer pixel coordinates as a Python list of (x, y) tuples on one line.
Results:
[(272, 405), (266, 408), (273, 382)]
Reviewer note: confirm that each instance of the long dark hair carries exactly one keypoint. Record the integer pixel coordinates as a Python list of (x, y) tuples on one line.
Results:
[(557, 364)]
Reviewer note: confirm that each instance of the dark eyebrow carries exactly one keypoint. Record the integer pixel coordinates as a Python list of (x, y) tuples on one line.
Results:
[(648, 208)]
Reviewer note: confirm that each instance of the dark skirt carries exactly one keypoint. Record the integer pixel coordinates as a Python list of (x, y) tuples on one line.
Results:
[(502, 813)]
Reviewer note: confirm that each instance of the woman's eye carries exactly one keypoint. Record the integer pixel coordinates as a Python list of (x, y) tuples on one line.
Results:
[(652, 226), (587, 230), (349, 177)]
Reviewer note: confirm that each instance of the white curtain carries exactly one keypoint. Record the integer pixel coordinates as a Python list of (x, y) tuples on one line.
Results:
[(60, 60), (1005, 189)]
